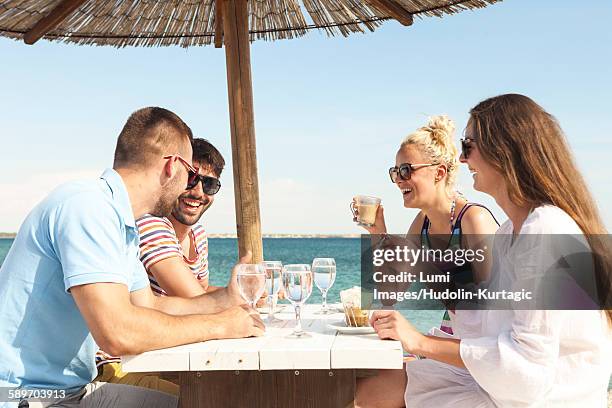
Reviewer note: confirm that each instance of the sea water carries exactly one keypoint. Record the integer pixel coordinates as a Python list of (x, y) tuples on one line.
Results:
[(223, 254)]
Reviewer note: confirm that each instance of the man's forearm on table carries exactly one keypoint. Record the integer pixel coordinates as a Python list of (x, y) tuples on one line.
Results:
[(207, 303), (144, 329)]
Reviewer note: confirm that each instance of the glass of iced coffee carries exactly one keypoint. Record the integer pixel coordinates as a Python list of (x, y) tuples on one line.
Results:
[(364, 209)]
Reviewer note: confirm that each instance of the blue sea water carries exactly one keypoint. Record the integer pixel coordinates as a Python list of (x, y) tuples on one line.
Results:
[(223, 254)]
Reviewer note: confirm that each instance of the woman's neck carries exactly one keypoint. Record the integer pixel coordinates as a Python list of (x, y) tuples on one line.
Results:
[(439, 213), (516, 213)]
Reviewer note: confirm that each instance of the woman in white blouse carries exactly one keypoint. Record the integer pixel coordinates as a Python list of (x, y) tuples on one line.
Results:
[(517, 153)]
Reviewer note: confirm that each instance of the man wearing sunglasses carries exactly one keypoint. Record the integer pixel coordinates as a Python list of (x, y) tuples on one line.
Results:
[(174, 250), (73, 280)]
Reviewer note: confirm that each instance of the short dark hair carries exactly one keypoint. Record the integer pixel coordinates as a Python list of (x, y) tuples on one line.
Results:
[(148, 134), (205, 152)]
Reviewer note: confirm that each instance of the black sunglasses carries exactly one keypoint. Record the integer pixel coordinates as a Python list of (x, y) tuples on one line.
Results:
[(466, 146), (210, 185), (404, 170)]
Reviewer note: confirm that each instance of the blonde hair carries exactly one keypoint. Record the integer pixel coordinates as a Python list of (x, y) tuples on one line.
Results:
[(435, 140)]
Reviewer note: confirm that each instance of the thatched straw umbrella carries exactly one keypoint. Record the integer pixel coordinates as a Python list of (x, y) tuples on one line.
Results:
[(122, 23)]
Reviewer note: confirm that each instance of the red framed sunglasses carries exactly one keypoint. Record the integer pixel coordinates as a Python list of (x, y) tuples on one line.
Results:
[(192, 172)]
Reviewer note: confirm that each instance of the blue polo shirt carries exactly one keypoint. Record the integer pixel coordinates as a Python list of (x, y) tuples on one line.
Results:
[(83, 232)]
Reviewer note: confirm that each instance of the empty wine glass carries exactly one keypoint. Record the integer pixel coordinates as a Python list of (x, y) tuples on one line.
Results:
[(297, 282), (251, 282), (273, 284), (324, 270)]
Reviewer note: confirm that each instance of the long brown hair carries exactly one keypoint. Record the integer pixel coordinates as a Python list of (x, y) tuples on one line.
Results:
[(524, 143)]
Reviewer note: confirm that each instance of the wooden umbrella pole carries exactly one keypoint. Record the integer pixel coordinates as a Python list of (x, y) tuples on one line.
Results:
[(242, 124)]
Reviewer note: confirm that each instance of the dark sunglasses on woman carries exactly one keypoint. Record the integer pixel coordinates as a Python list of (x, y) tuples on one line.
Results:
[(404, 170), (466, 146)]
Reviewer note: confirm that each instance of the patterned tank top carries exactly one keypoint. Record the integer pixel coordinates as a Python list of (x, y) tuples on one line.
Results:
[(461, 274)]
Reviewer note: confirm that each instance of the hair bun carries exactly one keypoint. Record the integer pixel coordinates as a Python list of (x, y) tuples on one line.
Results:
[(435, 140), (441, 128)]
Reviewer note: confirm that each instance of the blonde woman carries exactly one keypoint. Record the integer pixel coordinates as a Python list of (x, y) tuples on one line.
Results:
[(425, 170), (520, 358)]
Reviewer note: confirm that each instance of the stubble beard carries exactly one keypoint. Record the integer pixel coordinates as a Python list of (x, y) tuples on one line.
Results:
[(165, 203), (187, 219)]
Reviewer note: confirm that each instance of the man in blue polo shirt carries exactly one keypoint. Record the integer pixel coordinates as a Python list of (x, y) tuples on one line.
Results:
[(73, 281)]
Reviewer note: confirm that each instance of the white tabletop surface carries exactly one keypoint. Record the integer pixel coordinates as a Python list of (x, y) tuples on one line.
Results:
[(324, 349)]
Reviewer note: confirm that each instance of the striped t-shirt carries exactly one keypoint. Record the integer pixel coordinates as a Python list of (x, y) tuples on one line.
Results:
[(158, 241)]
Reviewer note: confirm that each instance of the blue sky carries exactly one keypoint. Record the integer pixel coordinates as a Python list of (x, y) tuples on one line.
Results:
[(329, 112)]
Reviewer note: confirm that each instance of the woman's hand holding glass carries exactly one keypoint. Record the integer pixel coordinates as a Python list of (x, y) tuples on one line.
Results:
[(379, 226)]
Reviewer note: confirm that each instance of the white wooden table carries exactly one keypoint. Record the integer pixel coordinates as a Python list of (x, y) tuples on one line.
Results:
[(235, 372)]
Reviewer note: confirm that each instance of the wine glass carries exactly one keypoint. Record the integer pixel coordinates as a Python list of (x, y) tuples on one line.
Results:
[(251, 282), (324, 270), (297, 282), (273, 284)]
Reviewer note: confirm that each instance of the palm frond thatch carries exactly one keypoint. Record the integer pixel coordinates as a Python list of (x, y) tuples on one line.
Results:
[(122, 23)]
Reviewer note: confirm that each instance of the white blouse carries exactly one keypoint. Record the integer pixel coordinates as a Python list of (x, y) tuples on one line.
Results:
[(539, 357)]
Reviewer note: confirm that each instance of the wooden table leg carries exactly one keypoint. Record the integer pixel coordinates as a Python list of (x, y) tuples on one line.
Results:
[(266, 389)]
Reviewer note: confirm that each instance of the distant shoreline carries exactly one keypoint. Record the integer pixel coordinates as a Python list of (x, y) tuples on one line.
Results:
[(233, 236)]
